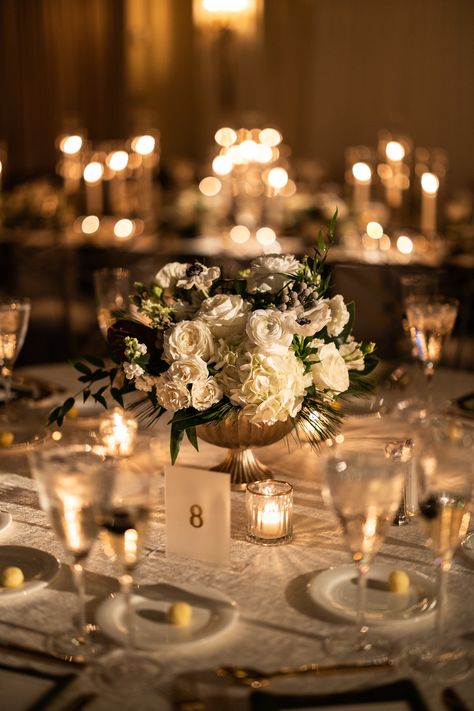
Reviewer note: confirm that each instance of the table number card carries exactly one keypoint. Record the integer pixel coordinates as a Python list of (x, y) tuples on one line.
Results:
[(197, 505)]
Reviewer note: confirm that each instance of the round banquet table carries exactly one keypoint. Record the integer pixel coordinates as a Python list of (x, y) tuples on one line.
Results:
[(278, 623)]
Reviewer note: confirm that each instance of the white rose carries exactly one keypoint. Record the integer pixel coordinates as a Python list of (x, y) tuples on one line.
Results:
[(312, 320), (206, 393), (226, 316), (269, 330), (172, 395), (352, 355), (188, 338), (168, 276), (330, 373), (188, 370), (268, 273), (339, 315), (132, 370)]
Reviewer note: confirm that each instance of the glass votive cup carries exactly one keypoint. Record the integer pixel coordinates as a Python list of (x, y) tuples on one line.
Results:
[(269, 506), (118, 433)]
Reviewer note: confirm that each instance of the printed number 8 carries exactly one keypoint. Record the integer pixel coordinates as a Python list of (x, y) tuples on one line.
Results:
[(196, 519)]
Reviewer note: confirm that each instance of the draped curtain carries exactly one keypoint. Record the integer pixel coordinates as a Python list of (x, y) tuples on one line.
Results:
[(61, 67), (328, 73)]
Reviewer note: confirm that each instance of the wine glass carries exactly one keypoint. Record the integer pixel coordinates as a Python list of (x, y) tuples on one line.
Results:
[(112, 289), (446, 468), (14, 318), (72, 480), (123, 521), (431, 323), (364, 485)]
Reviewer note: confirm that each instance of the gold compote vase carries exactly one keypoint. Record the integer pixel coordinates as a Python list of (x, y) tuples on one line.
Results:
[(240, 436)]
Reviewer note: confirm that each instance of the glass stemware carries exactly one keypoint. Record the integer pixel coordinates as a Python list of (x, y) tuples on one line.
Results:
[(112, 289), (446, 479), (364, 485), (14, 319), (72, 481), (430, 323), (124, 523)]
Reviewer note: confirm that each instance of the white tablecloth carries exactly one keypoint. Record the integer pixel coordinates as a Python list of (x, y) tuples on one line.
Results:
[(278, 624)]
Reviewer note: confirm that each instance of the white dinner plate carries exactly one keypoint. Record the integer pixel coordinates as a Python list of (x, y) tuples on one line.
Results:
[(5, 520), (38, 567), (213, 613), (467, 546), (335, 590)]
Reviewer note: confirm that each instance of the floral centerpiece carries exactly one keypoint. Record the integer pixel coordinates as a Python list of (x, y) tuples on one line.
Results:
[(269, 345)]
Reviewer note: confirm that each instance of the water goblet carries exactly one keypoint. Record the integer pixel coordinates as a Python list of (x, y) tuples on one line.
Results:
[(14, 319), (124, 523), (364, 486), (112, 289), (430, 323), (446, 478), (72, 481)]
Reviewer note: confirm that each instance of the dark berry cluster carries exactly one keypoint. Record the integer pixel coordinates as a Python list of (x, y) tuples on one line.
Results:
[(300, 295)]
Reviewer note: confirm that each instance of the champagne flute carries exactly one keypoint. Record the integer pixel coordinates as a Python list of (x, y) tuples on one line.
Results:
[(14, 318), (430, 323), (72, 481), (446, 480), (124, 523), (112, 289), (364, 485)]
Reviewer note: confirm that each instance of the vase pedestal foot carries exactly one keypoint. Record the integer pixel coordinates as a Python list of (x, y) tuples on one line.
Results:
[(243, 467)]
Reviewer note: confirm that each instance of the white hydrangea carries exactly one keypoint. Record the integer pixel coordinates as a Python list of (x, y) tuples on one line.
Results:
[(268, 273), (271, 388)]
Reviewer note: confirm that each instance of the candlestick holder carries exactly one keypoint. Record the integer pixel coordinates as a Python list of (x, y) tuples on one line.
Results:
[(269, 506)]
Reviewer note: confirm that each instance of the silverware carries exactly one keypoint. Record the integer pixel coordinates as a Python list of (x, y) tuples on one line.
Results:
[(256, 678), (453, 701), (37, 655)]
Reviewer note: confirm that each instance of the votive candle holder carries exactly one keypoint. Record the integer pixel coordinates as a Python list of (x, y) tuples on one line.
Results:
[(269, 506)]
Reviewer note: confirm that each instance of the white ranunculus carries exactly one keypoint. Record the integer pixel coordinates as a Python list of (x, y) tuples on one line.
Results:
[(271, 388), (225, 315), (270, 331), (205, 393), (188, 338), (168, 276), (268, 273), (352, 354), (171, 394), (188, 370), (312, 320), (199, 276), (330, 373), (339, 315), (132, 370)]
